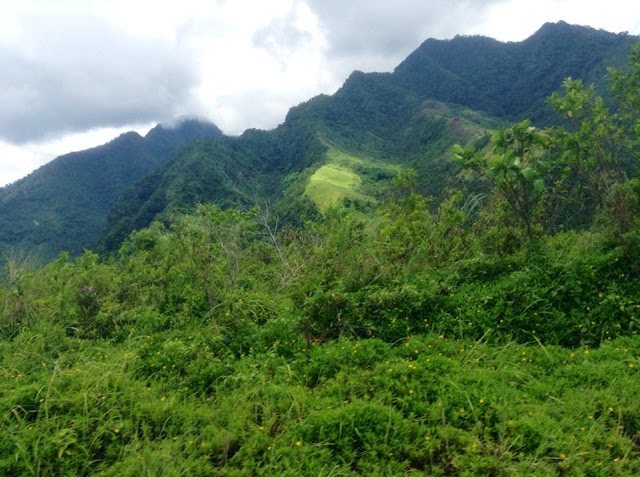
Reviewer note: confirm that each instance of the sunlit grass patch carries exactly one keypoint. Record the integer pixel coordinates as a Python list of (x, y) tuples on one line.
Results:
[(331, 184), (344, 176)]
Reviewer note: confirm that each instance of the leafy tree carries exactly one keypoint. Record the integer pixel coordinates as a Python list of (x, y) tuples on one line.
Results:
[(626, 86), (592, 143), (515, 170), (601, 145)]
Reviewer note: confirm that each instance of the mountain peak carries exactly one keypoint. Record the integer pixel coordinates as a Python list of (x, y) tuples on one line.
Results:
[(173, 136), (190, 127), (554, 26), (562, 28)]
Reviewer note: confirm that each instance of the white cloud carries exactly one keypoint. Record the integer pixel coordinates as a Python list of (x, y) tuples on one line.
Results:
[(388, 28), (517, 19), (251, 77), (67, 71)]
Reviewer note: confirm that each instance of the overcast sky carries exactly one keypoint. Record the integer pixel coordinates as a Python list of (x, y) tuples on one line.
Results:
[(76, 73)]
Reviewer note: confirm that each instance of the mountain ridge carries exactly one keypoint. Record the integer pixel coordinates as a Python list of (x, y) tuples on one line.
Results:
[(410, 117), (468, 69), (445, 92), (63, 204)]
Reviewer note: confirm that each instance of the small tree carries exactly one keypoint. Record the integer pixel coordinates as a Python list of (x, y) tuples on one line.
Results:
[(593, 142), (626, 85), (514, 170)]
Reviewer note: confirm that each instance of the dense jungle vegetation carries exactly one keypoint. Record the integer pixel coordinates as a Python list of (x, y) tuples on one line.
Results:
[(492, 332)]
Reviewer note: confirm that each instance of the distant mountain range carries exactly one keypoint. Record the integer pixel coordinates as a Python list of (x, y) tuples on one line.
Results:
[(63, 205), (330, 150)]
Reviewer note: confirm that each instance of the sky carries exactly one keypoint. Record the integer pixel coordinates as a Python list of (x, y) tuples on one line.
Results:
[(76, 73)]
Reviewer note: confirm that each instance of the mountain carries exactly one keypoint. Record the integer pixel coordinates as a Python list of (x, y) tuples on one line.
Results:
[(227, 170), (346, 146), (512, 80), (424, 337), (330, 150), (63, 205)]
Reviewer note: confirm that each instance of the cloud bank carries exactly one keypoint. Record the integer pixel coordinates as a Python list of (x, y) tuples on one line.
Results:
[(68, 73)]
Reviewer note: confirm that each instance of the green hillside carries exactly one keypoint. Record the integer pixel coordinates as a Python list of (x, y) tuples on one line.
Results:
[(512, 80), (334, 182), (408, 340), (446, 92), (229, 171), (346, 179), (63, 205), (334, 135)]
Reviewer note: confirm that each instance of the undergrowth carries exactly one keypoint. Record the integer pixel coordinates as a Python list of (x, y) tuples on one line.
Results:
[(170, 404)]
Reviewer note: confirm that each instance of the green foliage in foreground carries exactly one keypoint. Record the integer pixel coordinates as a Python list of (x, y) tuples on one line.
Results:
[(399, 343), (171, 403)]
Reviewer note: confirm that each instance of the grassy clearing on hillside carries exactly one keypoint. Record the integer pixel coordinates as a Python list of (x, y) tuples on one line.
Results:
[(345, 176), (332, 183)]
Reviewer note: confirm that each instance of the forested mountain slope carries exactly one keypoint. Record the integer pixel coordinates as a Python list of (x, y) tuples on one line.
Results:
[(63, 205), (512, 80), (446, 92), (330, 149)]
